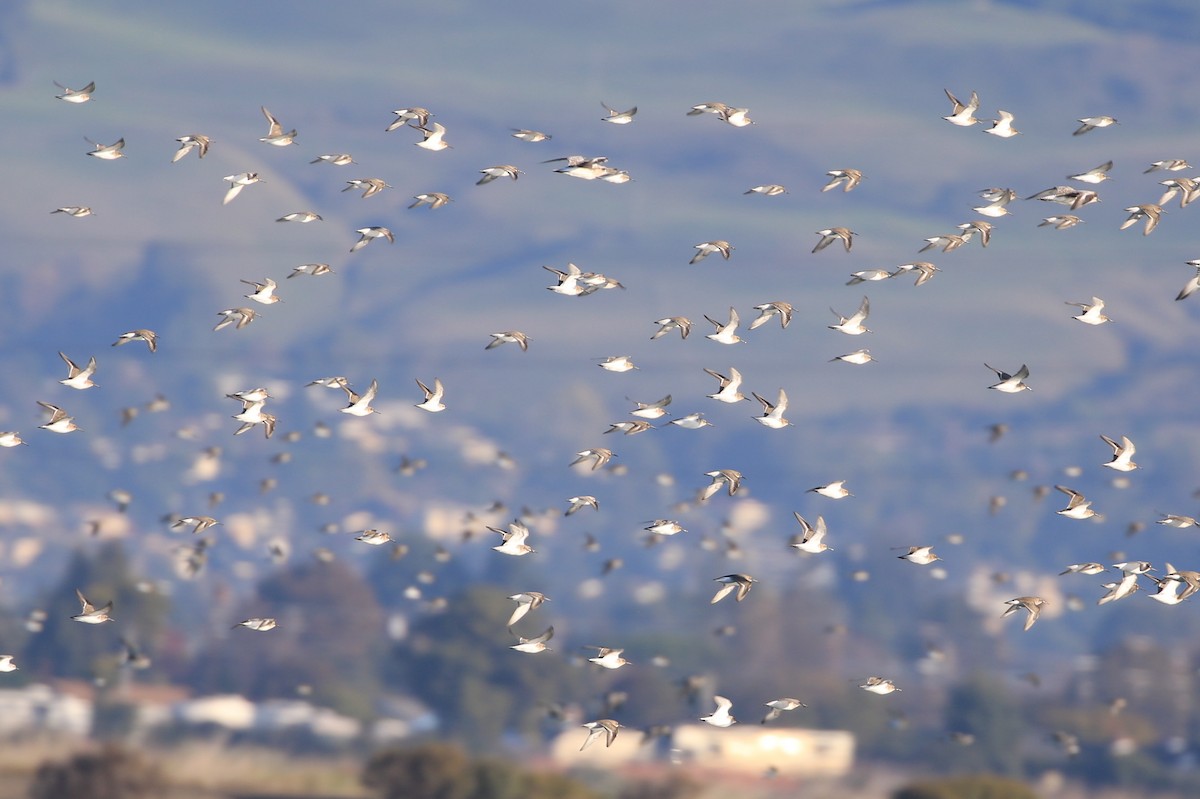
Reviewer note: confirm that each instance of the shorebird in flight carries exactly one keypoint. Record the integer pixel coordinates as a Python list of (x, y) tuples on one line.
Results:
[(107, 152), (191, 141), (847, 178), (90, 614), (1011, 384), (526, 601), (1031, 604), (1078, 506), (684, 325), (1091, 123), (59, 422), (237, 183), (606, 727), (78, 378), (721, 717), (534, 645), (740, 583), (853, 325), (832, 234), (75, 95), (963, 114), (275, 134), (618, 117), (360, 404), (369, 234)]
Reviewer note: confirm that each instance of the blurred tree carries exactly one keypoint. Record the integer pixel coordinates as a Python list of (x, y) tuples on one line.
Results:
[(980, 707), (110, 773), (980, 786), (328, 638), (464, 669), (65, 648)]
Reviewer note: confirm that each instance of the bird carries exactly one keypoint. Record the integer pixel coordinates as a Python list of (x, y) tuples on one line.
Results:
[(651, 410), (148, 336), (535, 644), (768, 190), (963, 115), (1193, 283), (729, 479), (740, 583), (406, 116), (59, 422), (1031, 604), (360, 404), (314, 270), (1122, 460), (1093, 314), (513, 539), (1097, 174), (1187, 188), (1149, 212), (275, 134), (509, 337), (89, 613), (530, 135), (868, 275), (77, 378), (772, 415), (607, 658), (1083, 568), (434, 200), (768, 310), (238, 182), (922, 556), (1002, 127), (853, 325), (107, 152), (239, 316), (434, 137), (1011, 384), (6, 664), (606, 727), (726, 333), (1060, 222), (729, 390), (1177, 521), (264, 292), (925, 271), (499, 171), (984, 229), (370, 186), (684, 325), (1091, 123), (76, 211), (369, 234), (581, 502), (597, 455), (526, 601), (832, 234), (707, 248), (878, 685), (858, 357), (812, 540), (835, 490), (618, 117), (617, 363), (261, 625), (630, 428), (1170, 165), (692, 421), (665, 527), (1078, 506), (337, 159), (779, 706), (373, 537), (847, 178), (9, 438), (191, 141), (75, 96), (720, 717)]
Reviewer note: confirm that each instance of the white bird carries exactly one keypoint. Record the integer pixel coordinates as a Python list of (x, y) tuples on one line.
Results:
[(1093, 314), (275, 133), (858, 357), (360, 404), (235, 316), (509, 337), (1011, 384), (90, 614), (848, 178), (922, 556), (692, 421), (8, 438), (768, 190), (617, 363), (78, 378), (434, 138), (238, 182), (772, 416), (832, 234), (730, 583), (707, 248), (107, 152), (1149, 212), (1178, 522), (618, 117), (59, 422), (257, 624), (963, 115), (812, 540), (1091, 123), (1031, 604), (853, 325), (76, 211), (725, 333), (651, 410), (369, 234), (513, 541), (433, 399), (1122, 460), (1060, 222), (606, 727), (406, 116), (581, 502), (434, 199), (337, 159), (6, 664), (264, 292), (370, 186), (189, 142), (684, 325), (778, 706), (767, 310), (496, 172), (535, 644), (729, 479), (530, 135), (310, 269), (665, 527), (597, 455), (729, 390), (75, 95), (878, 685), (1097, 174), (608, 658), (834, 490), (526, 601), (721, 716), (1078, 506), (1193, 283), (1002, 127), (141, 334)]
